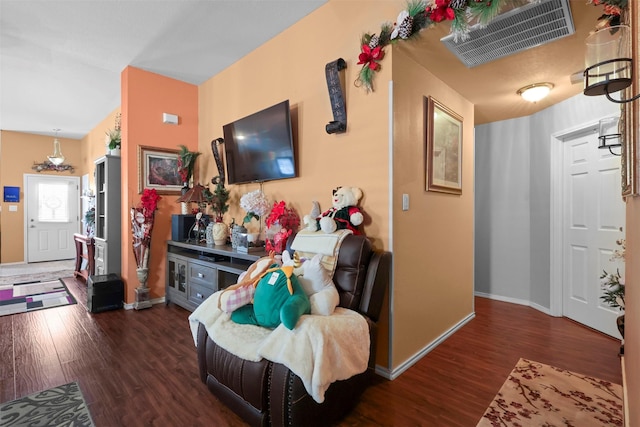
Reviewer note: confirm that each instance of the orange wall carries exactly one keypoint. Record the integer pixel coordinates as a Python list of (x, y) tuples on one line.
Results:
[(15, 161), (291, 66), (433, 240), (94, 146), (145, 96), (632, 268)]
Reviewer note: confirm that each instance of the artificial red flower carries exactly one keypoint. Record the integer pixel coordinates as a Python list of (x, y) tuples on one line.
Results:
[(371, 56), (441, 12), (149, 201)]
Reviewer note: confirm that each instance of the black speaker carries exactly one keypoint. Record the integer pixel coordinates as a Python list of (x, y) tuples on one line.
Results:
[(104, 292), (180, 226)]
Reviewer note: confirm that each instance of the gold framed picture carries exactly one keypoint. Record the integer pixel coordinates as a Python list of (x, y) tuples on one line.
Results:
[(443, 148), (158, 169)]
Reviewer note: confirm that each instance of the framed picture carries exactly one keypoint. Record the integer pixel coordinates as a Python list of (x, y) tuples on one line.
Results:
[(444, 148), (158, 168)]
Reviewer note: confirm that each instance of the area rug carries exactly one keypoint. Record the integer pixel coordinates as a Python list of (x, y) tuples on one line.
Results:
[(58, 406), (536, 394), (36, 277), (24, 297)]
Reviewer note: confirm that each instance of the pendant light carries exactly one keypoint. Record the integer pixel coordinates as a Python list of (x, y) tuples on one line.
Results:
[(57, 158)]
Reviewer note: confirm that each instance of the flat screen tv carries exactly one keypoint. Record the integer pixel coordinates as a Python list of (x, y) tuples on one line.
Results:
[(259, 147)]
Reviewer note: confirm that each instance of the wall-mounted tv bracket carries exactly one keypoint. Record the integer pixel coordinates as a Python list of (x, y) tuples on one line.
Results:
[(332, 71), (216, 156)]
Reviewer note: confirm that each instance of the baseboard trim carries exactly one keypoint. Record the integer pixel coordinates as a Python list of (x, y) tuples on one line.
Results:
[(153, 302), (533, 305), (393, 374)]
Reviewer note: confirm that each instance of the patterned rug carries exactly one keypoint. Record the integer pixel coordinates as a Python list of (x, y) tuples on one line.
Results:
[(24, 297), (58, 406), (536, 394)]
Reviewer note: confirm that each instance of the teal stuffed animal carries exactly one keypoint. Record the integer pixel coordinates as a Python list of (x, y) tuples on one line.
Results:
[(279, 298)]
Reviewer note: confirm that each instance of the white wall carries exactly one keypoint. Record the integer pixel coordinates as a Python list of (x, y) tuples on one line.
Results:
[(512, 215)]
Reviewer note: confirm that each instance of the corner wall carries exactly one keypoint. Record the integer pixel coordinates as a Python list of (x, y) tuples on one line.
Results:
[(433, 240), (145, 96)]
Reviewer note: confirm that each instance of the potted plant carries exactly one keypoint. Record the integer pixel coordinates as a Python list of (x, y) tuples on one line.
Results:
[(218, 201), (613, 288), (114, 138), (186, 163)]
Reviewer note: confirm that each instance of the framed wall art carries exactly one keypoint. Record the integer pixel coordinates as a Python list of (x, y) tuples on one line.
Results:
[(443, 148), (158, 169)]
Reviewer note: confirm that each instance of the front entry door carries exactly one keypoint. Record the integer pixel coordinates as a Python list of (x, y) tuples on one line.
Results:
[(52, 217), (594, 214)]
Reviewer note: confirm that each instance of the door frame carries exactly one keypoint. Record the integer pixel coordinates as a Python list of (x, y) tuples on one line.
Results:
[(557, 211), (25, 221)]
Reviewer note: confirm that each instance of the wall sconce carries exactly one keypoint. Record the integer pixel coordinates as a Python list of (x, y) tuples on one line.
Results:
[(535, 92), (609, 134), (608, 63)]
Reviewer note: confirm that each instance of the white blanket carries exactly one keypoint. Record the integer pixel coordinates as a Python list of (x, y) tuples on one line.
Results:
[(320, 349)]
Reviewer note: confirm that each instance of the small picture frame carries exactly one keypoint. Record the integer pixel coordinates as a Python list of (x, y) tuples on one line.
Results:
[(443, 161), (158, 169)]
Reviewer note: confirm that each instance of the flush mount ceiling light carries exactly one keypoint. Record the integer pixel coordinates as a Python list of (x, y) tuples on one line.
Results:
[(56, 158), (535, 92)]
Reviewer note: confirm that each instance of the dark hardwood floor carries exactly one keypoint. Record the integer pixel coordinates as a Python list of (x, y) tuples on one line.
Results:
[(139, 368)]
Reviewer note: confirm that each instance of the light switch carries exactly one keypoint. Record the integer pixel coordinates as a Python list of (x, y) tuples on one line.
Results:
[(405, 202)]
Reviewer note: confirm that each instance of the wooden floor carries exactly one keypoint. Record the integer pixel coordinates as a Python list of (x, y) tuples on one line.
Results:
[(139, 368)]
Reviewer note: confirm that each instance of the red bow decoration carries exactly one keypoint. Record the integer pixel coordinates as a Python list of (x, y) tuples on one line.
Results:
[(370, 57)]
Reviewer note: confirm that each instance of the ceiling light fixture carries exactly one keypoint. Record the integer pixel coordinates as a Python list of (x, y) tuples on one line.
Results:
[(535, 92), (56, 158), (608, 63)]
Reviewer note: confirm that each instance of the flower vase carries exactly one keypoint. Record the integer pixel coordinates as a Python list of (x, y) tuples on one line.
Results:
[(184, 208), (220, 233), (142, 291), (209, 234)]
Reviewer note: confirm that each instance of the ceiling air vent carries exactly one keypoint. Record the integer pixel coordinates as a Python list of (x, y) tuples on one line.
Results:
[(525, 27)]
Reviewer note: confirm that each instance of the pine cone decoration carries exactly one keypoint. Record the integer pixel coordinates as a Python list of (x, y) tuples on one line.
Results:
[(374, 42), (458, 4), (405, 28)]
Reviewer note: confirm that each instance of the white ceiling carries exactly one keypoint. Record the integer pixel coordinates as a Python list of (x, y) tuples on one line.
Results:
[(60, 60)]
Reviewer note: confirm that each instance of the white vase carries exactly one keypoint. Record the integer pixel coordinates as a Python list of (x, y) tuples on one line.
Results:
[(115, 152), (220, 232), (143, 276)]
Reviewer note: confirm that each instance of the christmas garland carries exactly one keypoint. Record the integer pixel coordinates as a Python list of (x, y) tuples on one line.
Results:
[(421, 14)]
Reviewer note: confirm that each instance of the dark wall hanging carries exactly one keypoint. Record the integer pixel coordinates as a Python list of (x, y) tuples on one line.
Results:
[(332, 71)]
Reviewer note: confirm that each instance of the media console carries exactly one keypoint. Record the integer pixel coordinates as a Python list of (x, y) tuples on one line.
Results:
[(197, 270)]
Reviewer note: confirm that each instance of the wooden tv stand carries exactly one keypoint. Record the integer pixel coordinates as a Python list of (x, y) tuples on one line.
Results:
[(197, 270)]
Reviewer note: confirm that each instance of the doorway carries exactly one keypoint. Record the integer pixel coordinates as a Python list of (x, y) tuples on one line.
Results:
[(51, 217), (588, 214)]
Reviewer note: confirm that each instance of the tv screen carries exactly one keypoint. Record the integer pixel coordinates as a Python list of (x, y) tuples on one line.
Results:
[(259, 147)]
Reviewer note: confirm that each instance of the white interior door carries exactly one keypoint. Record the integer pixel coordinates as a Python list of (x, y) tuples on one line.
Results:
[(594, 214), (52, 216)]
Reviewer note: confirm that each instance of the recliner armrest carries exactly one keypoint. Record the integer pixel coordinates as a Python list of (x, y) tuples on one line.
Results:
[(375, 286)]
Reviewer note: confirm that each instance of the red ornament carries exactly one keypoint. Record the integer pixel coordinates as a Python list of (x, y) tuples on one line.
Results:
[(441, 12), (369, 56)]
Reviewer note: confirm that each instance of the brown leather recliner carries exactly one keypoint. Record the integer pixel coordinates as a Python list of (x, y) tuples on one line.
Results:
[(269, 394)]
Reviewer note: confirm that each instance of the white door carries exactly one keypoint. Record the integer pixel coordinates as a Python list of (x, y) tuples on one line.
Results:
[(594, 214), (52, 216)]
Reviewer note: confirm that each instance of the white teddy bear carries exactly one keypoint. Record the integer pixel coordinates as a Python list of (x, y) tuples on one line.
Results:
[(317, 284), (344, 214)]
